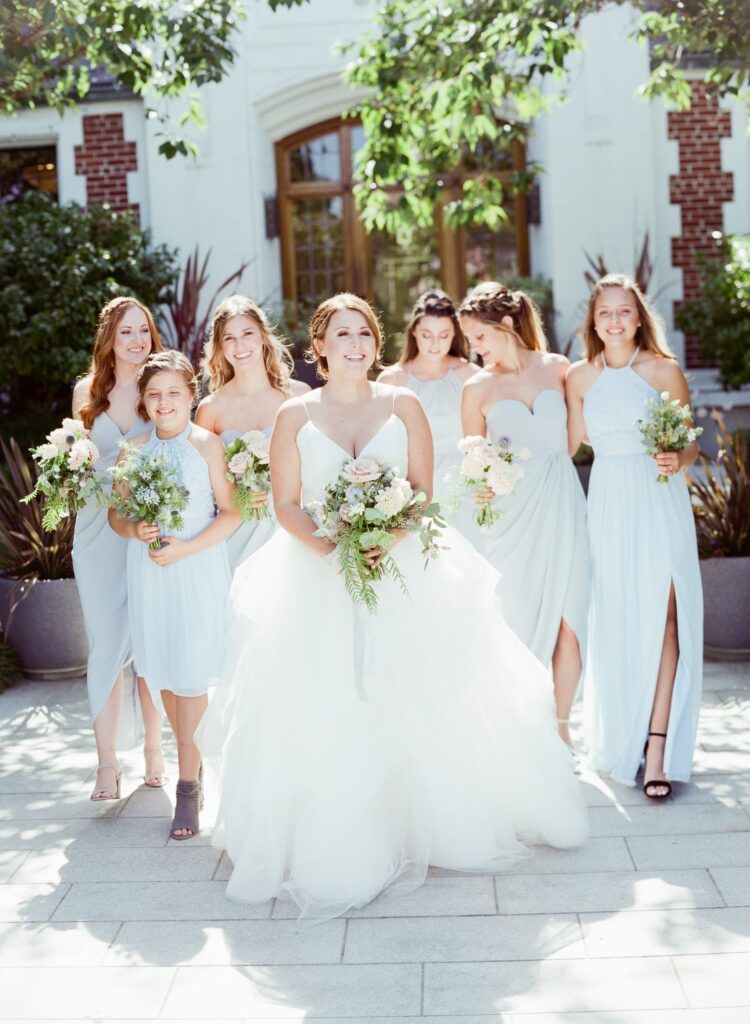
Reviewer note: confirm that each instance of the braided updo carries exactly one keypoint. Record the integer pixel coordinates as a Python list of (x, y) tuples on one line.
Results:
[(490, 302)]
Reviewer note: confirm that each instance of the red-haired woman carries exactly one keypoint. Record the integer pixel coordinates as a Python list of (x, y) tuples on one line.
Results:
[(106, 400)]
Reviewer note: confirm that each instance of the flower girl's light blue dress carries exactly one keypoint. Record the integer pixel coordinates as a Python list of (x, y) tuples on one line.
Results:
[(100, 566), (642, 539), (539, 543), (251, 534), (177, 612)]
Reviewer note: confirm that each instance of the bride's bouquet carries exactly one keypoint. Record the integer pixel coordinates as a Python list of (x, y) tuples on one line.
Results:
[(668, 429), (486, 465), (67, 478), (361, 509), (248, 466), (149, 489)]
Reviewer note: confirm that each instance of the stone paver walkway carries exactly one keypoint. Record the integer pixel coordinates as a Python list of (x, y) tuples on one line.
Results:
[(102, 917)]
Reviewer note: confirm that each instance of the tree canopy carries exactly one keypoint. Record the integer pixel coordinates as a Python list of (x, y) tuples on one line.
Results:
[(454, 83), (158, 49)]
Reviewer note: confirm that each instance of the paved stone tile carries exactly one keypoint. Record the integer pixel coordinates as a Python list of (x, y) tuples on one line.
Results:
[(94, 833), (10, 861), (119, 865), (150, 803), (569, 894), (154, 901), (29, 902), (734, 885), (33, 806), (35, 835), (62, 781), (448, 895), (666, 819), (231, 942), (82, 993), (712, 762), (55, 945), (691, 851), (224, 869), (379, 990), (552, 985), (666, 932), (716, 1015), (719, 980), (414, 940), (608, 854), (726, 789)]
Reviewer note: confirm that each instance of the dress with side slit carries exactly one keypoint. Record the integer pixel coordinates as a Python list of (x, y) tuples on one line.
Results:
[(642, 542)]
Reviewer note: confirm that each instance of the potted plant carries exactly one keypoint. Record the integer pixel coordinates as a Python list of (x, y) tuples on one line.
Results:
[(40, 610), (721, 505)]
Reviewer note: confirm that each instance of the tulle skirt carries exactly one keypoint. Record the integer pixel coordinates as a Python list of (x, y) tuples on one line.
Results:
[(354, 750)]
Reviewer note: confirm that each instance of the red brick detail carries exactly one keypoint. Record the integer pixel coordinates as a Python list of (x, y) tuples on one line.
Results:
[(105, 159), (699, 190)]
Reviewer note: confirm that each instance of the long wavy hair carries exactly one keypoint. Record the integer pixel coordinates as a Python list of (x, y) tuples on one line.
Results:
[(101, 372), (276, 356), (650, 334), (489, 302), (434, 303), (321, 318)]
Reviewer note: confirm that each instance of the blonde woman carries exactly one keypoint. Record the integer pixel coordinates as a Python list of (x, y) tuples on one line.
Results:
[(248, 367), (643, 680), (106, 400), (539, 543)]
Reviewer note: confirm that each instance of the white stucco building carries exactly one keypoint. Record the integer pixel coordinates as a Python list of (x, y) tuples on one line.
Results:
[(272, 183)]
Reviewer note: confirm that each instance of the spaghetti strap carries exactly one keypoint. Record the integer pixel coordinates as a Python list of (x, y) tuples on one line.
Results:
[(304, 406), (632, 358), (393, 403), (629, 363)]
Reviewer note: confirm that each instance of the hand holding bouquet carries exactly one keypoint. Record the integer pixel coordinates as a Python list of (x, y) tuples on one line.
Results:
[(248, 466), (489, 467), (148, 488), (362, 509), (669, 428), (66, 472)]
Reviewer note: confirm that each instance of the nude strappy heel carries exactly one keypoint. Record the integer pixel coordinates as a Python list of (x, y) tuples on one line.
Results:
[(103, 792), (156, 780)]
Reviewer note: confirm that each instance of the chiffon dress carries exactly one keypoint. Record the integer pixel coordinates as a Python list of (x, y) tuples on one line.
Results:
[(642, 541), (250, 534), (441, 401), (539, 543), (100, 567), (355, 750), (177, 612)]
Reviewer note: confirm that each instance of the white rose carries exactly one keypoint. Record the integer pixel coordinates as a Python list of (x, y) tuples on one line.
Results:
[(47, 452), (239, 463), (391, 500), (261, 449), (359, 471)]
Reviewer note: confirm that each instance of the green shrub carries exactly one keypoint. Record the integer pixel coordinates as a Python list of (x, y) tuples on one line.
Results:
[(720, 318), (58, 266)]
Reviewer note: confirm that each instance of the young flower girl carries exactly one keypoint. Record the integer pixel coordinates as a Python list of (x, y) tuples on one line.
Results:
[(177, 593)]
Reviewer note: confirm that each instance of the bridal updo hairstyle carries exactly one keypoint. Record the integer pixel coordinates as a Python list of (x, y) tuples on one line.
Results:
[(434, 303), (650, 335), (489, 302), (161, 362), (101, 372), (276, 357), (321, 318)]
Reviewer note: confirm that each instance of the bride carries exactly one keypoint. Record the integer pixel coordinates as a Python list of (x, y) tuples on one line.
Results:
[(355, 749)]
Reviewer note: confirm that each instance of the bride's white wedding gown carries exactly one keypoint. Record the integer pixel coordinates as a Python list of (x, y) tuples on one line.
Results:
[(355, 750)]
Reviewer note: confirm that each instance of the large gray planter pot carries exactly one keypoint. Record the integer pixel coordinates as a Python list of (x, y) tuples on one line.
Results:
[(43, 621), (726, 600)]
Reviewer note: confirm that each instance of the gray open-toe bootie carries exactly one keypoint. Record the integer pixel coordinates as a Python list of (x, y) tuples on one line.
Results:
[(186, 809)]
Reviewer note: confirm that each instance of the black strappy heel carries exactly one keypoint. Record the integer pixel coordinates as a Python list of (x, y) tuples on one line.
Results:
[(649, 785)]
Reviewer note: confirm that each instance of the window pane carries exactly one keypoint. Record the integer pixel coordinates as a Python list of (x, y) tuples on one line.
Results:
[(24, 169), (318, 248), (357, 138), (400, 274), (317, 160), (491, 255)]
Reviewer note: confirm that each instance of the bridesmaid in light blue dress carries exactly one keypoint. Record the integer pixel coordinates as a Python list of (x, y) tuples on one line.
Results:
[(643, 681), (248, 368), (435, 365), (539, 543), (177, 594), (105, 400)]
